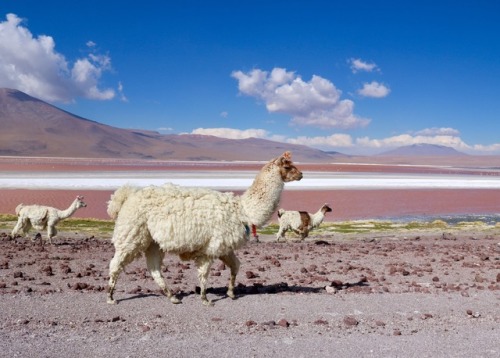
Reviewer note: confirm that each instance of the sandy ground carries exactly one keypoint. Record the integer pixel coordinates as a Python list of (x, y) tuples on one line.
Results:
[(393, 294), (386, 294)]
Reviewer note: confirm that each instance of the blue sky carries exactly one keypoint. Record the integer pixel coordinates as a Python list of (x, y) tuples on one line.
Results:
[(356, 77)]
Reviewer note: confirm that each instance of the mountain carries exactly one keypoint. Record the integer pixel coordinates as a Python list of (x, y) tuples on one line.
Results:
[(33, 128), (423, 149)]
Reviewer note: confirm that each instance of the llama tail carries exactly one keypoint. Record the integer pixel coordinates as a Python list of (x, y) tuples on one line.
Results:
[(18, 208), (118, 198), (280, 212)]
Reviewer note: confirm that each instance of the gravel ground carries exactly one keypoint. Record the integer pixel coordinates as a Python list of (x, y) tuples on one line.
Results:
[(392, 294)]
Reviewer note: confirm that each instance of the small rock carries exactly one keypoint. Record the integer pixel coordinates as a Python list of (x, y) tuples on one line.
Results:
[(283, 323), (448, 236), (250, 274), (396, 332), (250, 323), (350, 321), (321, 322)]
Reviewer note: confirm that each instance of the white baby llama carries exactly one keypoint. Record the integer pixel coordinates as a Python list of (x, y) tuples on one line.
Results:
[(301, 222), (43, 217), (195, 223)]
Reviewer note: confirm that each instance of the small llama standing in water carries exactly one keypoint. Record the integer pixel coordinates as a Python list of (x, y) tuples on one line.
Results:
[(43, 217)]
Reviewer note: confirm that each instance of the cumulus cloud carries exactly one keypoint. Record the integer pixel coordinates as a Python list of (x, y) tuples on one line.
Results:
[(374, 89), (350, 145), (313, 103), (232, 133), (489, 149), (359, 65), (32, 65), (407, 139), (332, 141), (435, 131)]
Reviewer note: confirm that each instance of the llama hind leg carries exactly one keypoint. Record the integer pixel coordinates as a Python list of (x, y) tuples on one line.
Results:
[(203, 263), (154, 258), (234, 264), (18, 228), (22, 227), (116, 266), (51, 232)]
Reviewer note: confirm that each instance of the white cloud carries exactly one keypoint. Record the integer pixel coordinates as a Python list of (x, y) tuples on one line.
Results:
[(32, 65), (314, 103), (488, 149), (332, 141), (374, 89), (232, 133), (435, 131), (345, 143), (358, 65), (407, 139)]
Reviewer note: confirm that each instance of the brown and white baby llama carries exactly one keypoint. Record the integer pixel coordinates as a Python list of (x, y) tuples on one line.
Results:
[(300, 222)]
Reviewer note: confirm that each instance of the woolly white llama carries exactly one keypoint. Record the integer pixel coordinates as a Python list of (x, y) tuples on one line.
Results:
[(195, 223), (43, 217), (301, 222)]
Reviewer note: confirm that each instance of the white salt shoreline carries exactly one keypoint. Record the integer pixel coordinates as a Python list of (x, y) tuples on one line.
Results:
[(240, 180)]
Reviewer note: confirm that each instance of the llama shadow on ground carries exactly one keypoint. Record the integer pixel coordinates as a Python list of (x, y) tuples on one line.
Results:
[(256, 289), (137, 296)]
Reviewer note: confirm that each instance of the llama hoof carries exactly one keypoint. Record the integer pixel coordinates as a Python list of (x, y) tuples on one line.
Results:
[(111, 301), (231, 295), (174, 300), (208, 303)]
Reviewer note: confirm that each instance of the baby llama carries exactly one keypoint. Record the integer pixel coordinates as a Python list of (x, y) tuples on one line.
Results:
[(195, 223), (301, 222), (43, 217)]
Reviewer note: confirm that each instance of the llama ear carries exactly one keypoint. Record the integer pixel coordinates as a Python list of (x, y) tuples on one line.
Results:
[(287, 155)]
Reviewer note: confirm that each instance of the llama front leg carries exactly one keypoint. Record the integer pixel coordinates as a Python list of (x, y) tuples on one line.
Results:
[(154, 258), (234, 264), (203, 263), (281, 233), (51, 232)]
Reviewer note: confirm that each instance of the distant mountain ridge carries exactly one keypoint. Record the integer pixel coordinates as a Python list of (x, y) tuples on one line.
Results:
[(422, 149), (32, 127)]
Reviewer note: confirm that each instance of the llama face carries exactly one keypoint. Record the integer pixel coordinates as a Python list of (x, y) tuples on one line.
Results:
[(80, 203), (326, 208), (288, 171)]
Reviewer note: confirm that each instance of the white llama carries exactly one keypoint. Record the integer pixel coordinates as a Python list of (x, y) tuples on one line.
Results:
[(43, 217), (195, 223), (301, 222)]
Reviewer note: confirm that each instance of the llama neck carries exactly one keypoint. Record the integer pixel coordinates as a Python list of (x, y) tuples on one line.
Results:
[(261, 200), (63, 214), (318, 217)]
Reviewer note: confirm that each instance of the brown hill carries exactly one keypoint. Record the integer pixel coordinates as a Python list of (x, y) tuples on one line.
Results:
[(33, 128)]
